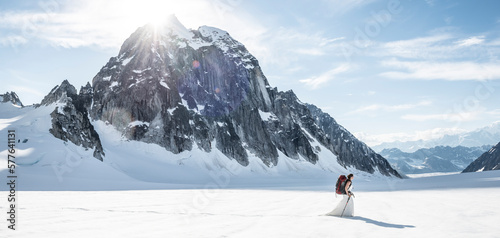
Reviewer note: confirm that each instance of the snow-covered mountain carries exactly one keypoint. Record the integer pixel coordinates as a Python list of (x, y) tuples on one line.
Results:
[(490, 160), (177, 103), (11, 98), (436, 159), (183, 89), (487, 135)]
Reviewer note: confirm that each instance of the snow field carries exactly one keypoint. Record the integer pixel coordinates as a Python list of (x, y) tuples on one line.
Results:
[(255, 213)]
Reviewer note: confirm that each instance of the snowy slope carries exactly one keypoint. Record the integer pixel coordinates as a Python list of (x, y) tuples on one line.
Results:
[(47, 163), (44, 161)]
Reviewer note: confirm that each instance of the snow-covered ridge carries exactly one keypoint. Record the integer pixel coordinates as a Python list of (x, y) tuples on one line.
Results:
[(217, 37), (174, 31)]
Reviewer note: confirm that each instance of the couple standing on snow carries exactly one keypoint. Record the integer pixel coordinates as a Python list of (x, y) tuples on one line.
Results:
[(345, 208)]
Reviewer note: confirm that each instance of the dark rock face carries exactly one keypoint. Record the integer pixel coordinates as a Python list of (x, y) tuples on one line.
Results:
[(70, 121), (349, 150), (12, 98), (436, 159), (166, 89), (488, 161), (289, 126), (85, 97)]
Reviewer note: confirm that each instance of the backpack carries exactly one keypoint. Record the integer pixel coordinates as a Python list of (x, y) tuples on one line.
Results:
[(340, 186)]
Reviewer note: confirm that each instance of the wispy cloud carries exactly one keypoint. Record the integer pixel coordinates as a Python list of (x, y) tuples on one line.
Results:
[(390, 108), (495, 112), (475, 40), (442, 46), (12, 40), (324, 78), (314, 45), (417, 48), (436, 133), (326, 41), (282, 47), (310, 51), (428, 70), (82, 23), (449, 117), (443, 56)]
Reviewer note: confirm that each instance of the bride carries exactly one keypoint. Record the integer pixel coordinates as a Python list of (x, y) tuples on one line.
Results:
[(345, 208)]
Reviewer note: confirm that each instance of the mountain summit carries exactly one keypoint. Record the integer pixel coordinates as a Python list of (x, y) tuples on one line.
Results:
[(202, 90), (12, 98)]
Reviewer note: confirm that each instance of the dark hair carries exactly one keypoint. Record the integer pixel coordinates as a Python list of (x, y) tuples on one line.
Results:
[(350, 176)]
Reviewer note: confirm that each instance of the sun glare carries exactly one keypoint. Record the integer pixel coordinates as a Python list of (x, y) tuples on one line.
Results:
[(156, 12), (143, 12), (119, 18)]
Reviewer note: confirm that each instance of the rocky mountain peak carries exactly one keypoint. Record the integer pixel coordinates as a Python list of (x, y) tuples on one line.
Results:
[(490, 160), (12, 98), (70, 120), (62, 92)]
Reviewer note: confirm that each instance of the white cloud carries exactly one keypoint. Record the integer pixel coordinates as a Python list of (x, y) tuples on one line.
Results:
[(436, 133), (418, 117), (13, 40), (284, 47), (428, 70), (107, 24), (449, 117), (310, 51), (495, 112), (441, 56), (390, 108), (438, 47), (317, 81), (326, 41), (475, 40), (418, 48)]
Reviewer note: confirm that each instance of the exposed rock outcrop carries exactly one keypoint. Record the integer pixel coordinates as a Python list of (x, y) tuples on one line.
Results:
[(70, 119), (12, 98), (490, 160)]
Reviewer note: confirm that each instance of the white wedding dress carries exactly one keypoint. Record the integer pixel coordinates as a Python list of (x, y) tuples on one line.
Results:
[(344, 208)]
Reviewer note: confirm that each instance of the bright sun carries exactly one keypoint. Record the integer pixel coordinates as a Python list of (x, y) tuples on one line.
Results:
[(122, 17), (156, 11)]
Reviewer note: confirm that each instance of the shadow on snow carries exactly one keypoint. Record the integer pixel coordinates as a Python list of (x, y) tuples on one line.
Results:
[(380, 223)]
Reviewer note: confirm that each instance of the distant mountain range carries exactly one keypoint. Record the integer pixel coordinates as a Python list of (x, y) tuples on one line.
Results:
[(488, 135), (436, 159)]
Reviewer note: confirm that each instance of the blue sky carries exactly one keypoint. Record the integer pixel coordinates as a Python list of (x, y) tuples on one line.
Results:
[(384, 69)]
